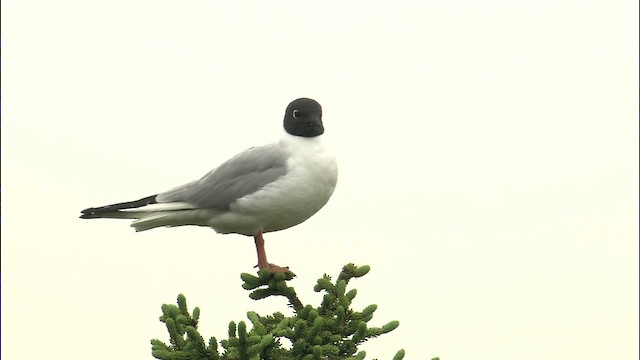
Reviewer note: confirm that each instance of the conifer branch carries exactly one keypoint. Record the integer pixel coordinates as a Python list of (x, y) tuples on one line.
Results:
[(332, 330)]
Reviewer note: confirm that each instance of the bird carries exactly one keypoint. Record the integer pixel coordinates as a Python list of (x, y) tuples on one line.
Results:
[(262, 189)]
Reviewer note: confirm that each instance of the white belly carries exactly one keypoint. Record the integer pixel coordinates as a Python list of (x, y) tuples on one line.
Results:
[(293, 198)]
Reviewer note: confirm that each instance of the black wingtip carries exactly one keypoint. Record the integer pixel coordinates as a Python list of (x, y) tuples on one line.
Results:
[(94, 213), (88, 214)]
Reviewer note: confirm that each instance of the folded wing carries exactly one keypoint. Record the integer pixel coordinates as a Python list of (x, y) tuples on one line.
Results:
[(240, 176)]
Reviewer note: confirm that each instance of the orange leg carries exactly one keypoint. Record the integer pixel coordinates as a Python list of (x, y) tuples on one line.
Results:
[(262, 256)]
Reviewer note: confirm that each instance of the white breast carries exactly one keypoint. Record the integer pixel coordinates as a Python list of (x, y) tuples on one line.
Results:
[(293, 198)]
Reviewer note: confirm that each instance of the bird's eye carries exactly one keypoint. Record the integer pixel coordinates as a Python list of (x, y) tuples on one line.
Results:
[(296, 113)]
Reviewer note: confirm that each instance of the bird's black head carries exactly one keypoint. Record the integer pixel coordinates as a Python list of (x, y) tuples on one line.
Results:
[(304, 118)]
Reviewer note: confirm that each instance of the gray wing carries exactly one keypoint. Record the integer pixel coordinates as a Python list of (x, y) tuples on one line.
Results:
[(239, 176)]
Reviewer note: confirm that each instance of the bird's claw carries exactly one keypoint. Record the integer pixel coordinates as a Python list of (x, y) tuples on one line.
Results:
[(274, 269)]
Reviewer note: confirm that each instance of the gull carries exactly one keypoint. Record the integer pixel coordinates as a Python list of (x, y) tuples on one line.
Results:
[(262, 189)]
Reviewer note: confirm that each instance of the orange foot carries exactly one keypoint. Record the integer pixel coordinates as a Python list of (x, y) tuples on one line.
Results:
[(274, 269), (262, 258)]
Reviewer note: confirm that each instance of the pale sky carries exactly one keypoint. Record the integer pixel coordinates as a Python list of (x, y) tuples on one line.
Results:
[(487, 153)]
